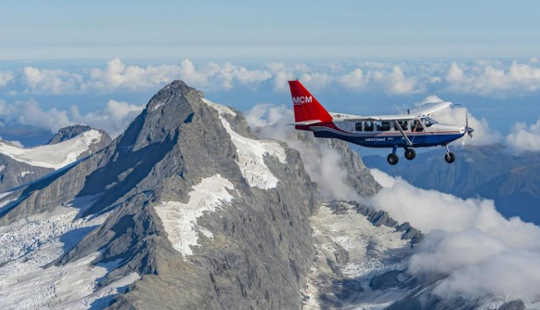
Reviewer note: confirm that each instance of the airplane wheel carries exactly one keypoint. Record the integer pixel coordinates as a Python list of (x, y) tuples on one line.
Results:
[(449, 157), (392, 159), (410, 154)]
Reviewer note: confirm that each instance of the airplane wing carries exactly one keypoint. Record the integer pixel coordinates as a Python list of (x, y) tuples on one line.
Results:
[(428, 109), (350, 117)]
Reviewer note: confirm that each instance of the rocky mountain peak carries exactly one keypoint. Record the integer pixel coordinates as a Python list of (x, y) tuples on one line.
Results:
[(187, 202), (68, 132)]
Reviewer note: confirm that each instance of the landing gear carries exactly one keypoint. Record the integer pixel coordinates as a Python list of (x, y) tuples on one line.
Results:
[(410, 154), (392, 159), (449, 156)]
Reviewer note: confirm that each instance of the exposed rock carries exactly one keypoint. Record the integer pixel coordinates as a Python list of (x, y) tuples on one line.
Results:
[(513, 305)]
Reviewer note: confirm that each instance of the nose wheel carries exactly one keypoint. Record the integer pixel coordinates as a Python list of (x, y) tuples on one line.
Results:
[(449, 156)]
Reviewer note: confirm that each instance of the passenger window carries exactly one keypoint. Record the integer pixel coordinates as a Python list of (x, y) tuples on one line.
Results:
[(383, 126), (404, 125), (368, 126), (358, 126)]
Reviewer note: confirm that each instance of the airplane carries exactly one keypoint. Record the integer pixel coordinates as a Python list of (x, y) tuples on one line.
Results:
[(407, 131)]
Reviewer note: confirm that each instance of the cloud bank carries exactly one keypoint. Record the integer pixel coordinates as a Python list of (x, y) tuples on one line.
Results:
[(525, 138), (114, 118), (118, 76), (483, 253), (482, 78)]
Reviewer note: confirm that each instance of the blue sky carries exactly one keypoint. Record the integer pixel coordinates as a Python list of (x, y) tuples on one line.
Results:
[(246, 29)]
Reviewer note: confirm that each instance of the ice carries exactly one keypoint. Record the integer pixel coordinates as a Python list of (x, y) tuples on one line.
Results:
[(251, 153), (180, 219), (33, 242), (367, 244), (371, 250), (53, 156)]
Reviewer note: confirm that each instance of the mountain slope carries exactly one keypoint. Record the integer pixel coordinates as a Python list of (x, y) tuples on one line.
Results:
[(249, 246)]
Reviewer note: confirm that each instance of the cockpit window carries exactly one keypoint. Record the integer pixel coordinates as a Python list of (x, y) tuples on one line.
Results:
[(429, 121), (358, 126)]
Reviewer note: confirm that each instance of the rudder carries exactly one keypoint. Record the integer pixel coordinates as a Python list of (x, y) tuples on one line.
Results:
[(306, 106)]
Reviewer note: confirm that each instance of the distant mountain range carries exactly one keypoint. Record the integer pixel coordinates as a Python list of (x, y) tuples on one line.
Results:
[(511, 180)]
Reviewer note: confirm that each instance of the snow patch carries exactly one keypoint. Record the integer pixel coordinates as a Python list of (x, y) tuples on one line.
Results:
[(220, 108), (53, 156), (251, 153), (180, 219)]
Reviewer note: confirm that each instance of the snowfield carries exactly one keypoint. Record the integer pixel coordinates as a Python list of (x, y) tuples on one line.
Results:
[(53, 156), (28, 245), (372, 250), (251, 153), (180, 219)]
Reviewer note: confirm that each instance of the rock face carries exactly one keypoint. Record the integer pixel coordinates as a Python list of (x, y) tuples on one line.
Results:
[(14, 173)]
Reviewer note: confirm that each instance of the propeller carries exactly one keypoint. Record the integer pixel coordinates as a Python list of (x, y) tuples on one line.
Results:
[(468, 129)]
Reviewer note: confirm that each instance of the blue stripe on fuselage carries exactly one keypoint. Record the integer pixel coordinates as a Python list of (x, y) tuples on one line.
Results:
[(418, 140)]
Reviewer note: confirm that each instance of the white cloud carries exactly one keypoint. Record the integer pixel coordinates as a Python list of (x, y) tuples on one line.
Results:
[(51, 81), (213, 76), (525, 138), (5, 78), (482, 252), (119, 75), (494, 79), (394, 81), (354, 79), (114, 118), (30, 113)]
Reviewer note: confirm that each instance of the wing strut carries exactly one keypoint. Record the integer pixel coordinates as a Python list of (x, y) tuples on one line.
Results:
[(398, 125)]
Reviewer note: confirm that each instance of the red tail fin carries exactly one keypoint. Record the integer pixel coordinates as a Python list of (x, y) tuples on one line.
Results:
[(306, 107)]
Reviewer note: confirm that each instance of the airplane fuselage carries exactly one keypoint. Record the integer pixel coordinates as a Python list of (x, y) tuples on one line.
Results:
[(434, 135)]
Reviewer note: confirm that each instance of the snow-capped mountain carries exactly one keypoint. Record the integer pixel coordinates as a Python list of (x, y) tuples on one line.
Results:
[(20, 165), (188, 209)]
